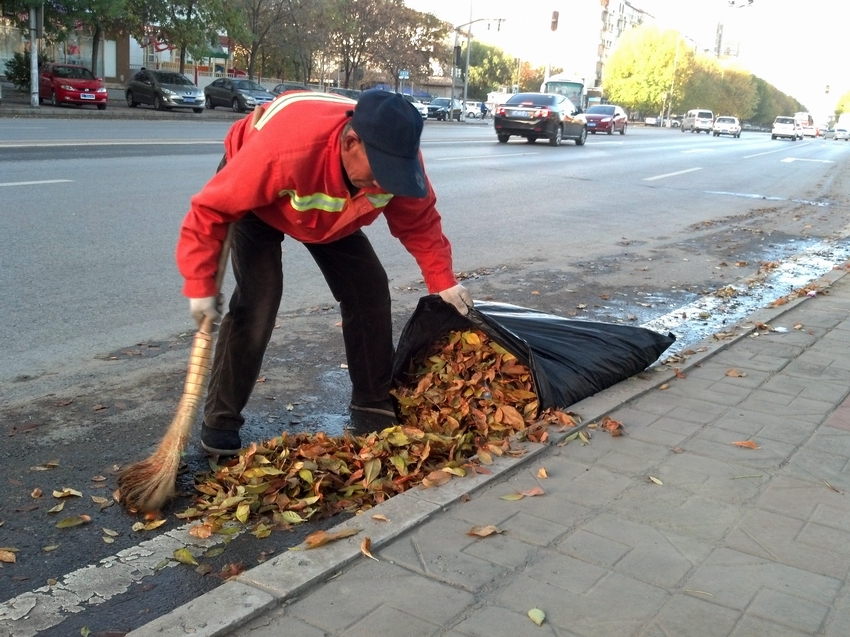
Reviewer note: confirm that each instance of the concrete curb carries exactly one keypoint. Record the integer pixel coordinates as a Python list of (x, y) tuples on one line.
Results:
[(284, 578)]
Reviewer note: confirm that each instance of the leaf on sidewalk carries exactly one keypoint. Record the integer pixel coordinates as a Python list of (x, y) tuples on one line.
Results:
[(656, 480), (734, 373), (537, 616), (484, 531), (541, 473), (747, 444), (533, 492), (185, 557), (320, 538), (366, 548)]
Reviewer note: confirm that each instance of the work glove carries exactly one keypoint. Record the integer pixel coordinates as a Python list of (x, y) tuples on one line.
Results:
[(208, 306), (458, 296)]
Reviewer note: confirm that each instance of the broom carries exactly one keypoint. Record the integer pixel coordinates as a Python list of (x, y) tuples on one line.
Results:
[(149, 484)]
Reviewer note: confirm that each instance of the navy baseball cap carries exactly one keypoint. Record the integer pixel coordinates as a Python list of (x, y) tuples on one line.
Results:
[(390, 128)]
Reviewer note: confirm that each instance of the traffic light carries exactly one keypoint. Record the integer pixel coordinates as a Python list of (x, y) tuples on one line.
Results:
[(457, 56), (554, 20), (827, 88)]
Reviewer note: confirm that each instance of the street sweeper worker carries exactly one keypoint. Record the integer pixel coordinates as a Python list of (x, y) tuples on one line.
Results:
[(316, 168)]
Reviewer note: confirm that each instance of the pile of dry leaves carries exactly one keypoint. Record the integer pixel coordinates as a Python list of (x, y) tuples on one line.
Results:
[(467, 399)]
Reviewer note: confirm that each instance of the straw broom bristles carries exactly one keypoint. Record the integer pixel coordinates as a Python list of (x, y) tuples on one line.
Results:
[(149, 484)]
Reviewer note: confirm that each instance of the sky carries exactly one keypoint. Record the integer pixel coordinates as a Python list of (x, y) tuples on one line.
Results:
[(797, 47)]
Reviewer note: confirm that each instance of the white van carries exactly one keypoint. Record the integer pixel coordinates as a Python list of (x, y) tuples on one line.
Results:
[(698, 120)]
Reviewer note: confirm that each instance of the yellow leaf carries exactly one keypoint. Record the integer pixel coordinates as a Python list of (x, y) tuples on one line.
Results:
[(57, 508), (471, 338), (306, 475), (485, 457), (371, 469), (366, 548), (656, 480), (483, 531), (185, 557), (74, 521), (537, 616), (67, 493), (380, 517), (512, 496), (244, 510), (110, 532), (734, 373), (85, 632), (150, 526), (512, 416), (541, 473), (583, 437), (291, 517), (48, 549), (107, 539), (320, 538), (7, 556)]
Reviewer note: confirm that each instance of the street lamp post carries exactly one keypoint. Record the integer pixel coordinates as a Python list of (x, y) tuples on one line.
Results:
[(455, 61)]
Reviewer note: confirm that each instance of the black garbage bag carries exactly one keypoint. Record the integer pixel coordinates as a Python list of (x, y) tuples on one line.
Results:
[(569, 359)]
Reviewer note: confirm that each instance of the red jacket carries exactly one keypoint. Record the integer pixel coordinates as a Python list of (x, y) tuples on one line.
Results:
[(289, 173)]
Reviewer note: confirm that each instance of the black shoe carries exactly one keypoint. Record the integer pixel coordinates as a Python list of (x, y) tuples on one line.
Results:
[(220, 442), (379, 407), (364, 422)]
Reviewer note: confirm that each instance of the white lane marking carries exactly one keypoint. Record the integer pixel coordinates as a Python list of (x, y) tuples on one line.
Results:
[(768, 152), (664, 176), (484, 156), (807, 202), (30, 613), (37, 183), (698, 150), (105, 142), (788, 160)]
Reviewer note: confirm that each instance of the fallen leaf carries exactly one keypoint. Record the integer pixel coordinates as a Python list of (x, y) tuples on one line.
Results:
[(57, 508), (832, 487), (541, 473), (74, 521), (380, 517), (734, 373), (656, 480), (48, 549), (36, 493), (484, 531), (107, 539), (366, 548), (230, 571), (748, 444), (664, 386), (533, 492), (7, 556), (185, 557), (537, 616), (320, 538), (85, 632), (678, 450), (512, 496), (201, 531), (436, 478), (67, 493)]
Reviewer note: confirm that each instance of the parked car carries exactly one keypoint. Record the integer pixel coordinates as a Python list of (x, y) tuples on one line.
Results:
[(606, 118), (536, 115), (443, 108), (726, 125), (163, 90), (472, 109), (70, 84), (786, 127), (841, 133), (239, 95), (698, 120), (347, 92), (423, 110)]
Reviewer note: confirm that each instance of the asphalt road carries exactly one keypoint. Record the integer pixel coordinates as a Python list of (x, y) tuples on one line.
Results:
[(626, 228)]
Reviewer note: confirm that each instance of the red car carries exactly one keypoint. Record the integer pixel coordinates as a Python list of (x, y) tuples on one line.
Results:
[(606, 118), (70, 84)]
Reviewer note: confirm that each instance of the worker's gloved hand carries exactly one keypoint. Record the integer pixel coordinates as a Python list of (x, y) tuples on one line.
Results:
[(458, 296), (209, 306)]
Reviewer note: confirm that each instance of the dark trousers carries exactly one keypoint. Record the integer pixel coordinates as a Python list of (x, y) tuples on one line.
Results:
[(357, 281)]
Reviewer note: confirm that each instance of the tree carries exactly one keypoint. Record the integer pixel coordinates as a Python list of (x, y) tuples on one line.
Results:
[(489, 67), (409, 41), (640, 71), (258, 20)]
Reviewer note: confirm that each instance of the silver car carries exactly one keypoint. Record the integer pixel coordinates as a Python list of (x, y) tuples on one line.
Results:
[(163, 90), (238, 94)]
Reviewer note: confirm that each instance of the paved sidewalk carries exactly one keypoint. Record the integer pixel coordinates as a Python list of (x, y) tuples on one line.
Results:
[(730, 541)]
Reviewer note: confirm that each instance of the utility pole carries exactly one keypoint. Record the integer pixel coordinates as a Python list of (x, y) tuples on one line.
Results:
[(456, 55), (36, 31)]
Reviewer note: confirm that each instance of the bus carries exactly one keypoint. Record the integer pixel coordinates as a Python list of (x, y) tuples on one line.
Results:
[(569, 86)]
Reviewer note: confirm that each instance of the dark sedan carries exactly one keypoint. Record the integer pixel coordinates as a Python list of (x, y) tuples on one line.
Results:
[(239, 95), (536, 115), (606, 118), (163, 90), (444, 108)]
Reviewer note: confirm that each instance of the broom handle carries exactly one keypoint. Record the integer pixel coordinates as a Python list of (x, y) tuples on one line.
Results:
[(200, 358)]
